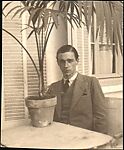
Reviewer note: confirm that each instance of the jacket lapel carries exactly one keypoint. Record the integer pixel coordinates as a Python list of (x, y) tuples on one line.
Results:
[(78, 89)]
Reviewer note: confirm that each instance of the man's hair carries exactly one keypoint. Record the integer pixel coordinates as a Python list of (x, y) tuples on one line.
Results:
[(67, 48)]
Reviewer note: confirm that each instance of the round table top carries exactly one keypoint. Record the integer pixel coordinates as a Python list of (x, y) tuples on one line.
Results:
[(55, 136)]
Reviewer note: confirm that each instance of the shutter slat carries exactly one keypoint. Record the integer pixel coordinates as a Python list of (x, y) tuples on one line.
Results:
[(79, 48), (12, 118)]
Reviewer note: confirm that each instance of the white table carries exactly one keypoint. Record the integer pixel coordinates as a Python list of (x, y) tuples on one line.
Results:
[(54, 136)]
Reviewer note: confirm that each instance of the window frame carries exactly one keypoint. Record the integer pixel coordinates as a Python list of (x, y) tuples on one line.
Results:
[(97, 44)]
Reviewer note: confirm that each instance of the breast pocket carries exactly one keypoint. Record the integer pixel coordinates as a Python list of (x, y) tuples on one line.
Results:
[(85, 94), (84, 104), (84, 97)]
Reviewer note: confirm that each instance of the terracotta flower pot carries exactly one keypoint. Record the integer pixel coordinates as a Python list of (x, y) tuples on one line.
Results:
[(41, 111)]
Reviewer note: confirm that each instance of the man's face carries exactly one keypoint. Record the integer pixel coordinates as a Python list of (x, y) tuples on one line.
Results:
[(67, 63)]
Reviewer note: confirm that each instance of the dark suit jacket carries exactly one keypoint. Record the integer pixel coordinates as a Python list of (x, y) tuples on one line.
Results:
[(87, 109)]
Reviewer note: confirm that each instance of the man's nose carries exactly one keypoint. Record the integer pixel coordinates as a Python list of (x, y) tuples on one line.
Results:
[(66, 64)]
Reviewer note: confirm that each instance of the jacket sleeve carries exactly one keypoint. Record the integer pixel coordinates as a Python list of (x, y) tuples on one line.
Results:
[(99, 107), (51, 90)]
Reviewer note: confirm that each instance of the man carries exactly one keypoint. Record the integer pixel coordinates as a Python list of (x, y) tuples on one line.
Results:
[(80, 102)]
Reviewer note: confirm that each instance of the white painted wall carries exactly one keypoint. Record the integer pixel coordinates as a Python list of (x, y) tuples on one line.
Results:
[(58, 38)]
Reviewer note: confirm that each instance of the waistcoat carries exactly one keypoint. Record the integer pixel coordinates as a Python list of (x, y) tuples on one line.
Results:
[(66, 103)]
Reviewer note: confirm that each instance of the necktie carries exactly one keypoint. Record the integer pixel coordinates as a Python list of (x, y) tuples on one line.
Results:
[(66, 85)]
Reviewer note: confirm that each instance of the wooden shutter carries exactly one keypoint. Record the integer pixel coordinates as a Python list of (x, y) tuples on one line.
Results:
[(31, 72), (13, 84), (86, 52), (81, 43), (80, 48)]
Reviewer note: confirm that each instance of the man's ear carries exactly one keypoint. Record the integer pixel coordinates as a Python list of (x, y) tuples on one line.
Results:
[(77, 60), (57, 62)]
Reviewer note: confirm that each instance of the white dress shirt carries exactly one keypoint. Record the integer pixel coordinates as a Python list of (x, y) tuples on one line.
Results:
[(71, 79)]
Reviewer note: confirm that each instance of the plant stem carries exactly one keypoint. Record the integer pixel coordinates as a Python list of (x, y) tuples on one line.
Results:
[(45, 44), (37, 47)]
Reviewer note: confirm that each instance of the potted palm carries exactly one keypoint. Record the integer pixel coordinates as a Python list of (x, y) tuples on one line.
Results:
[(43, 16)]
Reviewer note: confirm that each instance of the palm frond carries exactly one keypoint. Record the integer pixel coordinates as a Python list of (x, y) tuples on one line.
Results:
[(17, 12), (89, 12), (70, 21), (24, 29), (13, 10), (78, 8), (55, 18), (33, 15), (30, 33), (6, 5), (45, 19), (85, 14), (38, 3), (28, 8)]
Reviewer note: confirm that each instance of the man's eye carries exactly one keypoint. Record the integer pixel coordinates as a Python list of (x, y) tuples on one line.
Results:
[(70, 60), (63, 62)]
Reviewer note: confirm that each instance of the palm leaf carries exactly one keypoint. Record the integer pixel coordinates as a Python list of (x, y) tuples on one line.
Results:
[(28, 8), (3, 14), (115, 36), (78, 8), (44, 4), (117, 27), (33, 15), (76, 21), (108, 22), (118, 31), (80, 4), (45, 19), (30, 33), (70, 22), (23, 2), (99, 17), (6, 5), (102, 25), (55, 18), (70, 6), (33, 2), (53, 4), (17, 12), (61, 6), (64, 6), (38, 24), (119, 39), (12, 10), (28, 26), (71, 10), (89, 12), (24, 29), (27, 2), (38, 4), (85, 14)]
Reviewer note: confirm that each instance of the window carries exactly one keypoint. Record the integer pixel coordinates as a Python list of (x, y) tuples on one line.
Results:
[(105, 61)]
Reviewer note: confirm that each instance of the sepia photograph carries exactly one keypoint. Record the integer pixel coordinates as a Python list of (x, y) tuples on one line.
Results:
[(62, 74)]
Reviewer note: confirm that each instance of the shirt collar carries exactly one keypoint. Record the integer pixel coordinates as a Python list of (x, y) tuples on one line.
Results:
[(71, 79)]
